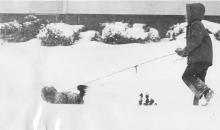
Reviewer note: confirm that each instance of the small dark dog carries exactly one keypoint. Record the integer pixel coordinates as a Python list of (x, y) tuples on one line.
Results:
[(50, 94)]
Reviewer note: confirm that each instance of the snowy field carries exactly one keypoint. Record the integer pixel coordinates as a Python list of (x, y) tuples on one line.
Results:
[(111, 103)]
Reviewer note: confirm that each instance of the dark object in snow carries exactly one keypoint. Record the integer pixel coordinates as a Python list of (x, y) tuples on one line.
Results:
[(174, 37), (50, 94), (148, 100), (151, 102), (217, 35), (141, 99)]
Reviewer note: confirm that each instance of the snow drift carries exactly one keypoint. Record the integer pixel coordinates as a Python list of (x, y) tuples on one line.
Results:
[(110, 103), (90, 35)]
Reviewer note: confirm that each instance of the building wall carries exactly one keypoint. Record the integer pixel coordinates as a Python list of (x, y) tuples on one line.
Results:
[(126, 7), (41, 7), (144, 7)]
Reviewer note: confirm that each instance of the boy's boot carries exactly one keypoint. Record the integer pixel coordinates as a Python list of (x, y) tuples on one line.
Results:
[(208, 94), (196, 101)]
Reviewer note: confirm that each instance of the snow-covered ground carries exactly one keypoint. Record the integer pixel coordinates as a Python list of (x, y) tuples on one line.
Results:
[(111, 103)]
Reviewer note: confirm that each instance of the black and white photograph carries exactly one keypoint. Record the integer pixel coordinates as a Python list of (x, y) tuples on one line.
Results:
[(109, 65)]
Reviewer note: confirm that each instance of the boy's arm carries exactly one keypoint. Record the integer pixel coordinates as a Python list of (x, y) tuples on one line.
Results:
[(195, 38)]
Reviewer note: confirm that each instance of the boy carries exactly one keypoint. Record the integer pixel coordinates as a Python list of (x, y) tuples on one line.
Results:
[(199, 53)]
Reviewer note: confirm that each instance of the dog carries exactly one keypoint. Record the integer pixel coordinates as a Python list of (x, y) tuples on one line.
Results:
[(51, 95)]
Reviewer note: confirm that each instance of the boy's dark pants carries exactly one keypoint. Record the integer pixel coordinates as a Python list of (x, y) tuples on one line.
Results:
[(194, 78)]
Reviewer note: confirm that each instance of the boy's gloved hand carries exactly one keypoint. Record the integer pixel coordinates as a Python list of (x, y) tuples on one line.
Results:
[(181, 52)]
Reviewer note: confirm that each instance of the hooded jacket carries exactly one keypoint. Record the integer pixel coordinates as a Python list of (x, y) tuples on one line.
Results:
[(198, 43)]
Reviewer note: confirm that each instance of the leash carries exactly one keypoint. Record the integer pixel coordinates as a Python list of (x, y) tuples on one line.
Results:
[(128, 68)]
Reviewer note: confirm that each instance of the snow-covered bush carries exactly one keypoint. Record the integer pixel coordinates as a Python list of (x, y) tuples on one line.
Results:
[(22, 31), (176, 30), (120, 33), (154, 35), (8, 30), (31, 26), (59, 34), (180, 29)]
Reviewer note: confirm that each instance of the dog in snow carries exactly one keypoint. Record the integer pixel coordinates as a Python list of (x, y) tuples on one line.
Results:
[(51, 95)]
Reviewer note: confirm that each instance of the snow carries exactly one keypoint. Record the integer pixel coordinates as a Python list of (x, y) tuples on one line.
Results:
[(114, 28), (135, 31), (61, 29), (28, 23), (111, 103), (211, 26), (30, 17), (88, 35), (154, 34)]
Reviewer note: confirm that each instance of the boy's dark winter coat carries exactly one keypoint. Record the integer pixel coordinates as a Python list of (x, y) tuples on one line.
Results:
[(199, 44)]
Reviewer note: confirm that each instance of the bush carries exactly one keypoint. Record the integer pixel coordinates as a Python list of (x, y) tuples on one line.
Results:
[(176, 30), (27, 29), (8, 30), (121, 33), (55, 34), (31, 26), (180, 28), (154, 35)]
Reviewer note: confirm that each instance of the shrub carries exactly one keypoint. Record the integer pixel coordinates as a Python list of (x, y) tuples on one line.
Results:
[(121, 33), (55, 34), (176, 30), (8, 30), (154, 35), (31, 26), (180, 28), (27, 29)]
